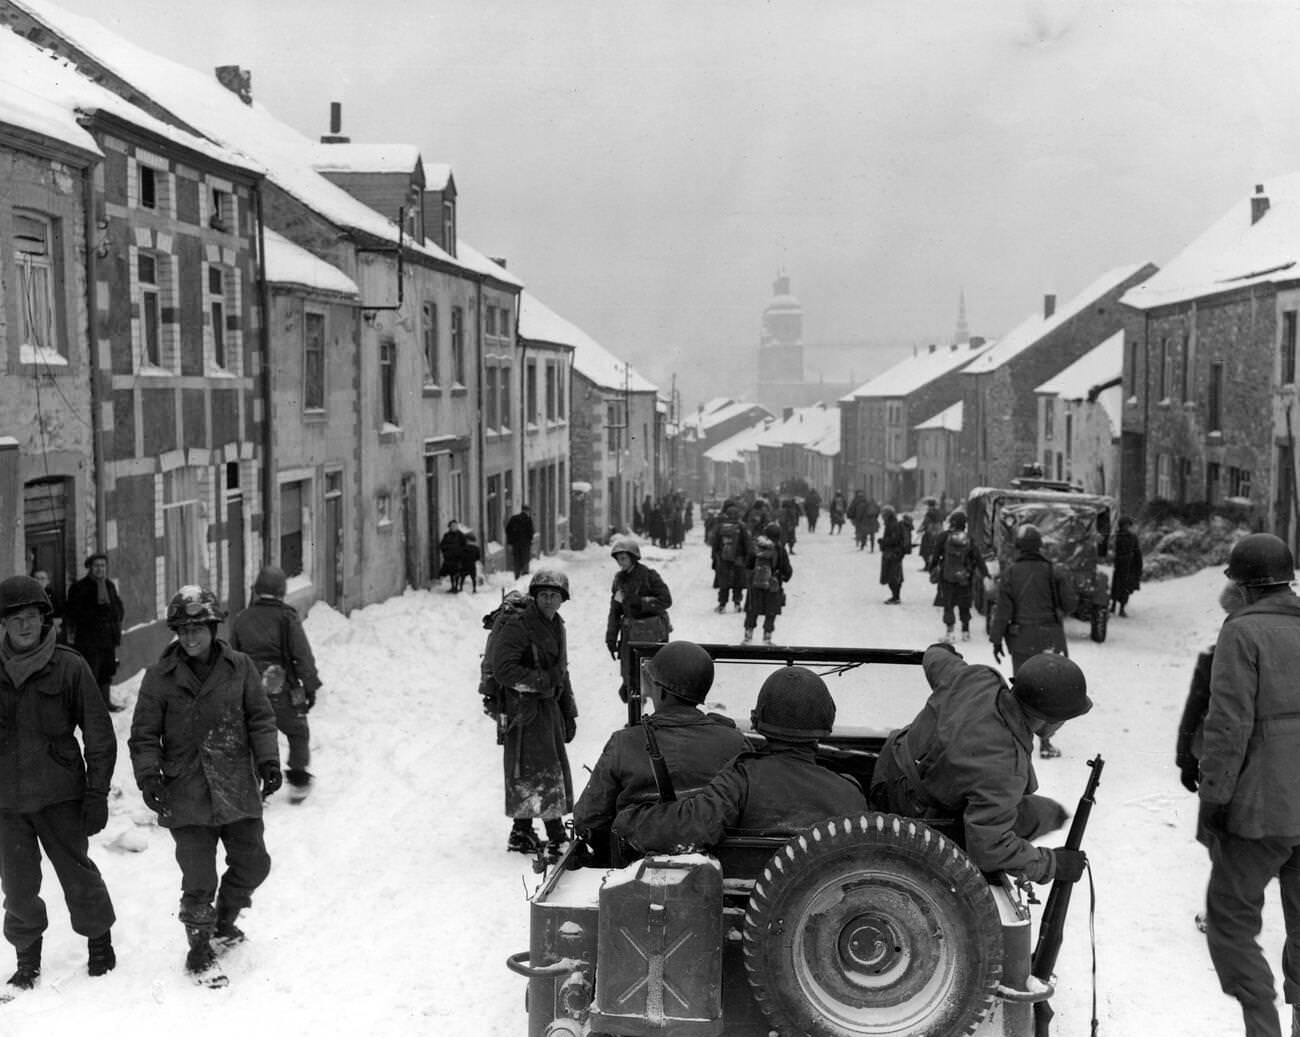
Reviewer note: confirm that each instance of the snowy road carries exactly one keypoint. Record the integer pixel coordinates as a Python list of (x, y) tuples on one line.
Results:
[(392, 904)]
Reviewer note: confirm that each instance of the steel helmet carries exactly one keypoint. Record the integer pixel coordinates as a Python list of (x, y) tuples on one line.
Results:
[(193, 604), (18, 592), (1260, 560), (1052, 686), (773, 530), (625, 545), (549, 579), (795, 705), (1029, 538), (684, 669), (271, 582), (957, 520)]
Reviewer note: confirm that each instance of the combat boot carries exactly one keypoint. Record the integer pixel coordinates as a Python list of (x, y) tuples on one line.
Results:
[(29, 966), (749, 636), (947, 636), (101, 957), (767, 637), (299, 784), (226, 931), (201, 957), (522, 839), (557, 840)]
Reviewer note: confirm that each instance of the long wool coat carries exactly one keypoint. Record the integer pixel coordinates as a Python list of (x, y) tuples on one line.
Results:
[(530, 662)]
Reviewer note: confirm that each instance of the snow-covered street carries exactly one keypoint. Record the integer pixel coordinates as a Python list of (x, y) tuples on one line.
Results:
[(392, 904)]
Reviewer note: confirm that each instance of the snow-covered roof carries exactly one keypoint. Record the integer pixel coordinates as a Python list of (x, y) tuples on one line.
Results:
[(287, 263), (815, 428), (913, 373), (540, 323), (1099, 365), (948, 419), (724, 411), (1033, 328), (1232, 252), (472, 259), (364, 158), (43, 93), (437, 175), (733, 447), (200, 101)]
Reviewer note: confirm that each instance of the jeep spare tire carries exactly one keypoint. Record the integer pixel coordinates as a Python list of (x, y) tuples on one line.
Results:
[(872, 925)]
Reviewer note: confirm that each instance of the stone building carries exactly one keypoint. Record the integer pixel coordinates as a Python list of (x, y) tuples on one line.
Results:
[(1079, 412), (936, 452)]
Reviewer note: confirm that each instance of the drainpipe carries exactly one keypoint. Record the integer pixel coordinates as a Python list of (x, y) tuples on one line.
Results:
[(92, 342), (480, 368), (264, 377)]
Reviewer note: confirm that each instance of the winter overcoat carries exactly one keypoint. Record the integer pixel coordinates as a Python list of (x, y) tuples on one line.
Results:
[(781, 788), (530, 663), (86, 622), (966, 756), (1127, 576), (767, 601), (1033, 599), (206, 739), (270, 633), (730, 575), (41, 762), (1250, 754), (638, 594), (955, 593), (695, 746), (891, 543)]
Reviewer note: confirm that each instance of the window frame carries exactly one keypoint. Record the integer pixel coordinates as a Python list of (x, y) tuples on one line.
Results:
[(458, 346), (50, 266), (217, 315), (429, 341), (149, 299), (310, 401), (388, 413)]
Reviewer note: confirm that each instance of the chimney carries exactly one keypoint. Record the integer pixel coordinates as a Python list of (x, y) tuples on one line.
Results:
[(336, 125), (499, 261), (787, 413), (1049, 305), (1258, 205), (931, 347), (237, 81), (976, 341)]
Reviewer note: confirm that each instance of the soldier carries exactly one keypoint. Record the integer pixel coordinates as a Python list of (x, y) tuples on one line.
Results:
[(894, 544), (638, 610), (769, 572), (1250, 784), (205, 754), (730, 548), (966, 759), (1029, 614), (530, 664), (271, 634), (781, 787), (955, 565), (53, 792), (695, 746)]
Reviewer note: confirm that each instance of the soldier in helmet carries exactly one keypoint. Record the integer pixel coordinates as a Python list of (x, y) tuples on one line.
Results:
[(729, 547), (967, 759), (695, 745), (530, 664), (1250, 783), (53, 791), (639, 602), (1033, 599), (205, 754), (781, 787)]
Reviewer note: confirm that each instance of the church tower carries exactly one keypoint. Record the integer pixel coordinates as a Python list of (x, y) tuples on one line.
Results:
[(780, 348), (962, 334)]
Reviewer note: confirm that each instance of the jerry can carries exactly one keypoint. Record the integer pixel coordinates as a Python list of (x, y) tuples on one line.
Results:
[(660, 949)]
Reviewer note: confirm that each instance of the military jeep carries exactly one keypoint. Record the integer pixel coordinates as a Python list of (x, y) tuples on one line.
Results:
[(868, 925), (1076, 530)]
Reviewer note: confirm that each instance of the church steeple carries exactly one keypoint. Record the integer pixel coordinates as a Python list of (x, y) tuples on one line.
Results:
[(962, 334)]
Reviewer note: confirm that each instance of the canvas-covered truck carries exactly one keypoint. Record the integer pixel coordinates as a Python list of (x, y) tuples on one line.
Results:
[(874, 924), (1076, 529)]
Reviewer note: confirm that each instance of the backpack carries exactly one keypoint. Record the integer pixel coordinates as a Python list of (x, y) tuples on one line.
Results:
[(728, 538), (955, 547), (764, 564)]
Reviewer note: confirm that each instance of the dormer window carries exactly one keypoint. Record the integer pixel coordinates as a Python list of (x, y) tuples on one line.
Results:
[(449, 227)]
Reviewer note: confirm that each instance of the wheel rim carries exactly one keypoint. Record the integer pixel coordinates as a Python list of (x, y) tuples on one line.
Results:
[(871, 951)]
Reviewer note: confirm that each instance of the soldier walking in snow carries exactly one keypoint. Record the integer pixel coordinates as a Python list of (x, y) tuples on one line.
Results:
[(53, 792), (769, 572), (729, 548), (271, 634), (1250, 784), (837, 510), (519, 538), (205, 754), (955, 564), (530, 664), (1127, 576), (894, 543), (639, 601)]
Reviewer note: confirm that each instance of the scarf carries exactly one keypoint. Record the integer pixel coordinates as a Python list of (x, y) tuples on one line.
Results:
[(21, 665), (101, 589)]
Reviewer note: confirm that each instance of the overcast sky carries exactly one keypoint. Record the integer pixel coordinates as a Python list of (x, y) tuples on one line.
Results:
[(648, 167)]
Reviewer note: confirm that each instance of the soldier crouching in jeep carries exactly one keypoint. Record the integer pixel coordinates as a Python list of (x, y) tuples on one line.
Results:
[(779, 787), (695, 745), (967, 759)]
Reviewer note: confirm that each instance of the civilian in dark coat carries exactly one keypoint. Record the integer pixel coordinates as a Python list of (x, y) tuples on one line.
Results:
[(92, 623), (530, 664), (452, 549), (893, 544), (1127, 576), (812, 507), (53, 792), (271, 634), (519, 538)]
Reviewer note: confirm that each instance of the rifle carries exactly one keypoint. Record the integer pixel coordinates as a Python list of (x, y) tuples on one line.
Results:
[(1052, 928), (663, 780)]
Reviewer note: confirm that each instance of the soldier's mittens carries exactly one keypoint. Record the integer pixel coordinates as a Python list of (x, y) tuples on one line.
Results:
[(271, 777), (94, 813)]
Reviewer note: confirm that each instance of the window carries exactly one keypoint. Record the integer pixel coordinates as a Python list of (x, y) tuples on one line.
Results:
[(507, 413), (34, 240), (1164, 482), (613, 427), (150, 310), (183, 533), (388, 382), (449, 227), (148, 187), (458, 345), (217, 311), (552, 383), (560, 412), (295, 527), (1049, 416), (490, 398), (1185, 388), (1069, 435), (1214, 401), (530, 393), (383, 508), (1166, 368), (1213, 492), (313, 361), (430, 330), (491, 322), (1288, 347), (223, 210), (494, 515), (562, 498), (1132, 363), (1239, 482)]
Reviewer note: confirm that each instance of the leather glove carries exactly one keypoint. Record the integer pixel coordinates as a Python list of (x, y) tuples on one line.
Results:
[(94, 813), (1190, 775), (311, 698), (613, 649), (1069, 864), (997, 652), (570, 729), (271, 777), (151, 789)]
